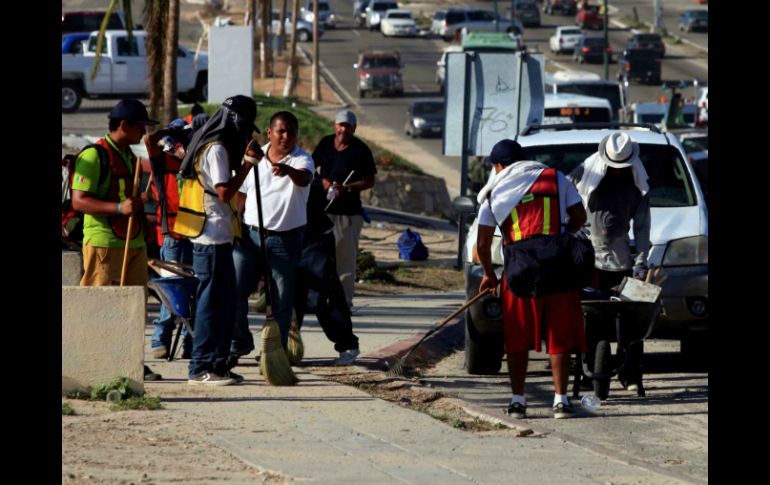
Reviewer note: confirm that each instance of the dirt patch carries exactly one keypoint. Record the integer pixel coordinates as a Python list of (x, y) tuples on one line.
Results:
[(409, 393)]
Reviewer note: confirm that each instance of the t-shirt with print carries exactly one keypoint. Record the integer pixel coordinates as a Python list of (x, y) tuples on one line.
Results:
[(96, 229), (214, 170), (284, 202), (336, 166)]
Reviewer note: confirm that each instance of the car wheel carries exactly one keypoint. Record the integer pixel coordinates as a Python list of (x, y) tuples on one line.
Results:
[(71, 97), (303, 36), (602, 365), (483, 353)]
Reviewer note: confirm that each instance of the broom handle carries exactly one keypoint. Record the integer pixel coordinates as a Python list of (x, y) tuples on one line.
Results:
[(262, 235), (343, 183), (464, 307), (131, 220)]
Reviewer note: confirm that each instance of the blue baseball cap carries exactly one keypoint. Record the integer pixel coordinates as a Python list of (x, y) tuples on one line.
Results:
[(131, 110)]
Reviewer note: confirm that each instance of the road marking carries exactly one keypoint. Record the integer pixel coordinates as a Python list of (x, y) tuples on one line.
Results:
[(416, 88), (355, 31)]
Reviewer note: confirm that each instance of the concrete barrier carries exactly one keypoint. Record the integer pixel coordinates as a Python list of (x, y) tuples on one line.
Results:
[(71, 268), (102, 336)]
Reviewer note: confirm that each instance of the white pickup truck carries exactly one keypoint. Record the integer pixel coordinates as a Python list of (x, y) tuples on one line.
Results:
[(123, 71)]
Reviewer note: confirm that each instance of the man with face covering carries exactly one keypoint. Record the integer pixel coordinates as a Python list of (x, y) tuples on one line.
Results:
[(613, 185), (206, 217)]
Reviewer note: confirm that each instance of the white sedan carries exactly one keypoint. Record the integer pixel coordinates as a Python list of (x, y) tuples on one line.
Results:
[(398, 22), (565, 39)]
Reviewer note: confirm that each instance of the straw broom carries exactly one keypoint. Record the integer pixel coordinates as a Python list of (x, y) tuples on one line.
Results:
[(295, 347), (274, 362)]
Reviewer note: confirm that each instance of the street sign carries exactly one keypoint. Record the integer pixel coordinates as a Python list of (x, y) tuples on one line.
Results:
[(497, 83)]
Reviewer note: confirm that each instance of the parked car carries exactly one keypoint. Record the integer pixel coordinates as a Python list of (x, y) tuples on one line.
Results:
[(424, 118), (565, 7), (476, 20), (379, 71), (74, 43), (654, 113), (678, 236), (437, 22), (591, 49), (641, 64), (123, 71), (652, 42), (527, 13), (304, 28), (398, 22), (575, 108), (696, 145), (326, 16), (588, 17), (90, 20), (694, 20), (376, 11), (589, 84), (565, 39), (359, 12)]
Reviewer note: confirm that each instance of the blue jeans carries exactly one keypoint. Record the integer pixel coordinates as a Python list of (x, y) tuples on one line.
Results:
[(177, 251), (215, 310), (283, 253)]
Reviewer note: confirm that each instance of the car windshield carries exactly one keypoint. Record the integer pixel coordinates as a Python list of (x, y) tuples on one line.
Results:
[(376, 62), (323, 6), (648, 38), (384, 6), (593, 41), (422, 109), (571, 32), (670, 183), (695, 144), (610, 92), (700, 14), (399, 15)]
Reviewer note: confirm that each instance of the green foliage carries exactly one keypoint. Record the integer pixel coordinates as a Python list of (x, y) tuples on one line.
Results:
[(66, 409), (120, 384), (149, 403), (78, 395)]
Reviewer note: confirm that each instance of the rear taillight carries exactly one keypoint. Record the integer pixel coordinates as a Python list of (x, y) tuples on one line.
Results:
[(628, 67), (609, 49), (586, 50)]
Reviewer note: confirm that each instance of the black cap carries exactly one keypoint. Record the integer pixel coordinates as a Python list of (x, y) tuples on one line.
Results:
[(244, 107), (131, 110), (505, 152)]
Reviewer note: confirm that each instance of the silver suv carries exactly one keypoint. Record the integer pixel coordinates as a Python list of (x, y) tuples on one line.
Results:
[(474, 20), (326, 16), (679, 238), (376, 11)]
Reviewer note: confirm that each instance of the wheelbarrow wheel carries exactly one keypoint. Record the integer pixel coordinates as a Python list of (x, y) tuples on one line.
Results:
[(602, 365)]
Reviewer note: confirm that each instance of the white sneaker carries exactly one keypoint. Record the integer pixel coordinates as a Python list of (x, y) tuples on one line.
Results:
[(347, 357)]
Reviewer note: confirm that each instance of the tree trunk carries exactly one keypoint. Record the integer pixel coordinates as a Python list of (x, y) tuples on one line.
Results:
[(157, 18), (169, 68), (264, 46), (315, 90), (282, 27), (291, 72)]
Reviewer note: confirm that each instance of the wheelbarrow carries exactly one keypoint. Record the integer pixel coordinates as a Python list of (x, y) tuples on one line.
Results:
[(177, 293), (610, 318)]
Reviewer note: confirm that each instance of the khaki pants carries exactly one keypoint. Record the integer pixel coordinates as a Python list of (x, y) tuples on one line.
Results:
[(102, 266), (347, 232)]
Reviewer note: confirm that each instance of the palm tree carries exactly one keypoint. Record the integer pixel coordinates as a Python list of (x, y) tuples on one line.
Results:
[(103, 27), (282, 27), (291, 72), (157, 13), (169, 67)]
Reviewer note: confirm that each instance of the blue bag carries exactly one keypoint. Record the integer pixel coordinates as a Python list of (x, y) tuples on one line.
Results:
[(410, 247)]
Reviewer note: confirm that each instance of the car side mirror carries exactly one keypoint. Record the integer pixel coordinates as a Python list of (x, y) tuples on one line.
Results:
[(464, 205)]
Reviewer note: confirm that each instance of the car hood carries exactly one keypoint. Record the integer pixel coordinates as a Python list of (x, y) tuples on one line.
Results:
[(400, 22), (669, 223), (430, 118), (380, 71)]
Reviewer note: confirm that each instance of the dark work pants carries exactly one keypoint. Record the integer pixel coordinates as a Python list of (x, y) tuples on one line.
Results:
[(318, 290)]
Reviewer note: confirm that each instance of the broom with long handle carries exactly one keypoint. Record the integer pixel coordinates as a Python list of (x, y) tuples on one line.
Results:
[(131, 221), (398, 368), (275, 363)]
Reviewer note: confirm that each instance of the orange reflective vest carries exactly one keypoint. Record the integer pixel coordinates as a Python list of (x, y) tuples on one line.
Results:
[(538, 211), (171, 186), (121, 187)]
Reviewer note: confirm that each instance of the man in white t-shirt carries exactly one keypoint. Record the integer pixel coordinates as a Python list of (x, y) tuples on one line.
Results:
[(205, 216), (284, 180)]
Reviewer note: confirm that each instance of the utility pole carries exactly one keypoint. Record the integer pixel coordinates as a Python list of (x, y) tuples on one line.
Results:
[(315, 91), (606, 43), (658, 17)]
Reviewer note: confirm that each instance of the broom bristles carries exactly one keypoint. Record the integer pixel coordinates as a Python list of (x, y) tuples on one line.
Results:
[(275, 363), (295, 347)]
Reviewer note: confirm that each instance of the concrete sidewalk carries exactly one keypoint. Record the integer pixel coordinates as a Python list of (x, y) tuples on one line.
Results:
[(325, 432)]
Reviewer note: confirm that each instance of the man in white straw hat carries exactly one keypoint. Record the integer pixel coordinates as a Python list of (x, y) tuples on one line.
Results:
[(613, 185)]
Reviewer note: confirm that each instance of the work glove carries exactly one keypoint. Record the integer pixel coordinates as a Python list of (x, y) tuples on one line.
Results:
[(640, 271), (253, 153)]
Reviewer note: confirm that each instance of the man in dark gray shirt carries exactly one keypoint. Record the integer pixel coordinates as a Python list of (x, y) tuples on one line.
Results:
[(613, 185)]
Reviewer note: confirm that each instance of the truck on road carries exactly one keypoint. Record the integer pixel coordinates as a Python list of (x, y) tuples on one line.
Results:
[(123, 71)]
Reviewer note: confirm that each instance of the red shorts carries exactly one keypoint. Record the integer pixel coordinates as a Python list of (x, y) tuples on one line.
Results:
[(557, 318)]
